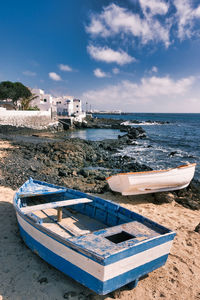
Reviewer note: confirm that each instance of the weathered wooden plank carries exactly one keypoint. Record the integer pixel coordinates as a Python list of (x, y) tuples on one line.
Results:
[(56, 204)]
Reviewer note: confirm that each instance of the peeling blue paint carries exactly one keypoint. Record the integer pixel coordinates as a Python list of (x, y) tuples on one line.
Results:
[(144, 235)]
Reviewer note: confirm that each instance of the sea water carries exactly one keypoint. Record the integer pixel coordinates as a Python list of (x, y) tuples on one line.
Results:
[(166, 145)]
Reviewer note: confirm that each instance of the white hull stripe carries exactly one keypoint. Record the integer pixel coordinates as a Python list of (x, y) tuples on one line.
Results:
[(98, 271)]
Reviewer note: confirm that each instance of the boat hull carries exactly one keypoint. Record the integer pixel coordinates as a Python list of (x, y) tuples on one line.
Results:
[(124, 248), (153, 181), (99, 277)]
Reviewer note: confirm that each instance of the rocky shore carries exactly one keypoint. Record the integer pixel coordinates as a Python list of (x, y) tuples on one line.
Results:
[(84, 165), (76, 163), (73, 162)]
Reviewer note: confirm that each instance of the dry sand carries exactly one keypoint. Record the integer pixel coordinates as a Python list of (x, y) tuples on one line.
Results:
[(23, 275)]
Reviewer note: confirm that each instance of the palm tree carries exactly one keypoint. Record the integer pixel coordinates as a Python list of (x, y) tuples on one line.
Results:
[(25, 102)]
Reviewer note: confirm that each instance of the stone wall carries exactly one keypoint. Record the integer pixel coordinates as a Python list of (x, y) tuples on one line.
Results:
[(32, 119)]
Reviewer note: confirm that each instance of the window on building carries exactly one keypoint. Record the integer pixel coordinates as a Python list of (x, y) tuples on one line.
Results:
[(77, 106), (45, 100)]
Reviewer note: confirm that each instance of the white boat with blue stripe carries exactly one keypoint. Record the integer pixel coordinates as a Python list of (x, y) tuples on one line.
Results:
[(95, 241)]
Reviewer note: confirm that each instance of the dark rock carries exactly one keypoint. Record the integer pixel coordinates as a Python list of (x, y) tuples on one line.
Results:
[(197, 228), (189, 202), (100, 176), (115, 294), (83, 165), (62, 173), (84, 173), (47, 162), (33, 169), (173, 153), (92, 297), (43, 280), (164, 197), (69, 295)]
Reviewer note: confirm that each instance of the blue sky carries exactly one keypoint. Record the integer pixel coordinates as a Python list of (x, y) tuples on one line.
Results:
[(133, 55)]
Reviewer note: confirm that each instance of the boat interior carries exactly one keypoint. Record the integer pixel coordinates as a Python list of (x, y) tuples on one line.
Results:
[(70, 215)]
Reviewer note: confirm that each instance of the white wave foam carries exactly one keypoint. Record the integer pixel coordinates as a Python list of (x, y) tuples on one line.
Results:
[(128, 123)]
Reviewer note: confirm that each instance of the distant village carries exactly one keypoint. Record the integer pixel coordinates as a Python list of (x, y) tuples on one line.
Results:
[(64, 106)]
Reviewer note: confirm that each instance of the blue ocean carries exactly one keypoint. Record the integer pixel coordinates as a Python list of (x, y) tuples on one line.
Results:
[(166, 145)]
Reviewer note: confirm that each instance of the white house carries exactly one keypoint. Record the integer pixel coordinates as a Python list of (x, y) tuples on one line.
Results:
[(42, 101), (79, 115), (64, 105), (77, 106), (68, 106)]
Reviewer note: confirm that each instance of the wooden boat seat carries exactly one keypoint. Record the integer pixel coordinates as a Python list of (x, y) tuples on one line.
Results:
[(56, 204)]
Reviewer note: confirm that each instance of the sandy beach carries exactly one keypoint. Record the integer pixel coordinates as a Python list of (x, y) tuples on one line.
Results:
[(25, 276), (100, 150)]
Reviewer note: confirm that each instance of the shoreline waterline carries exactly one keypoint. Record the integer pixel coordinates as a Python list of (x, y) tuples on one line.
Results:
[(170, 144)]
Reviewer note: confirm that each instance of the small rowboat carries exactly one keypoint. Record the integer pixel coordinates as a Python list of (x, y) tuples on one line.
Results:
[(95, 241), (135, 183)]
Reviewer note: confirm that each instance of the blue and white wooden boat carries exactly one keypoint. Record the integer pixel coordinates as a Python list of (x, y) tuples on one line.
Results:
[(95, 241)]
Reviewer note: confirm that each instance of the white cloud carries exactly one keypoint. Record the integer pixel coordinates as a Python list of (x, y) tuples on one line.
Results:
[(154, 69), (65, 68), (29, 73), (115, 71), (152, 23), (118, 20), (186, 16), (97, 27), (154, 7), (197, 12), (99, 73), (54, 76), (109, 56), (159, 94)]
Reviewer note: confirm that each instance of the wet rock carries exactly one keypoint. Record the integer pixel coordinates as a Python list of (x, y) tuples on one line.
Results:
[(173, 153)]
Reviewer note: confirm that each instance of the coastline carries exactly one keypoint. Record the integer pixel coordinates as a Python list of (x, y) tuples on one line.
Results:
[(84, 165), (77, 163)]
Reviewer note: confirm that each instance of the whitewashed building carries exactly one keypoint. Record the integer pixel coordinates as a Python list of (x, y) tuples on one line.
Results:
[(68, 106), (42, 101), (77, 107), (64, 105)]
